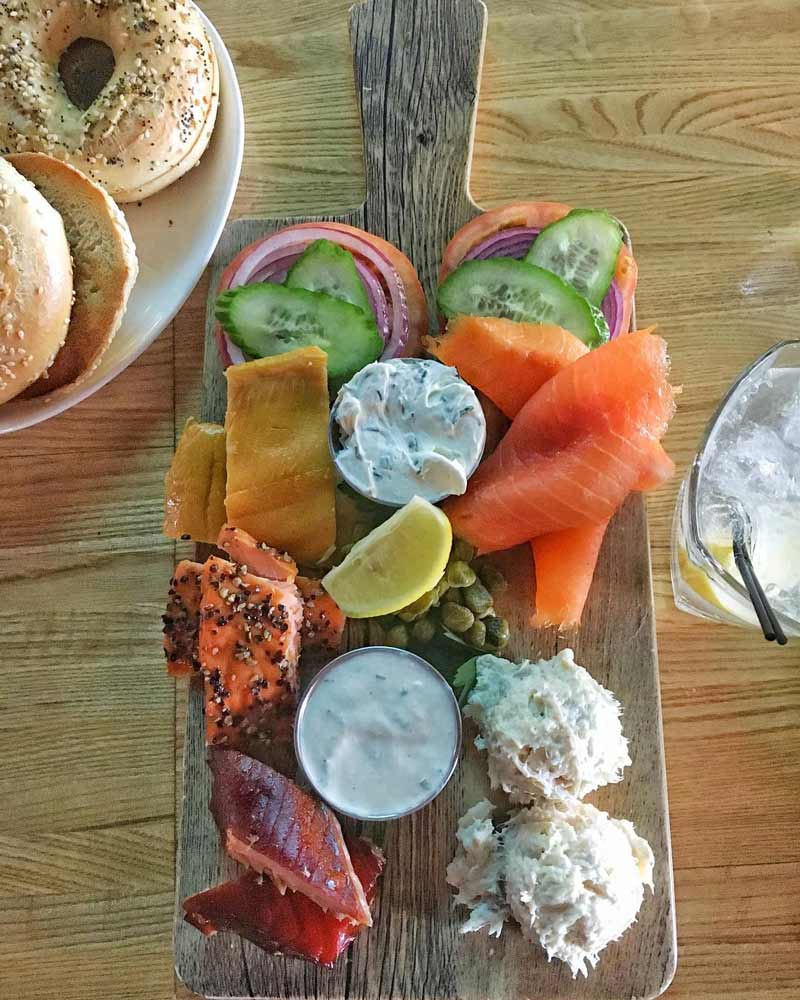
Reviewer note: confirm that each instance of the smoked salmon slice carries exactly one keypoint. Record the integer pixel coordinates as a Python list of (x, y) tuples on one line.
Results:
[(289, 924), (249, 650), (182, 619), (507, 361), (271, 825), (620, 387), (575, 450), (532, 494), (565, 562)]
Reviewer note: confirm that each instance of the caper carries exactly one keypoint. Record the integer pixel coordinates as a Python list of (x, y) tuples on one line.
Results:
[(492, 578), (476, 634), (460, 573), (497, 633), (456, 617), (462, 550), (418, 607), (377, 634), (397, 636), (451, 596), (441, 589), (477, 598), (423, 629)]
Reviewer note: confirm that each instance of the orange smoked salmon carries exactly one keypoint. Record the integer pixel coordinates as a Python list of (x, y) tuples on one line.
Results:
[(271, 825), (322, 623), (507, 361), (575, 450), (565, 562)]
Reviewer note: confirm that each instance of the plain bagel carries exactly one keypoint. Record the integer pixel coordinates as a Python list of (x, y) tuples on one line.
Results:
[(149, 123), (104, 265), (35, 283)]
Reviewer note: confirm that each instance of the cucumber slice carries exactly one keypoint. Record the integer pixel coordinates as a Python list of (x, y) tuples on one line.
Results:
[(326, 267), (582, 249), (515, 289), (265, 319), (600, 324)]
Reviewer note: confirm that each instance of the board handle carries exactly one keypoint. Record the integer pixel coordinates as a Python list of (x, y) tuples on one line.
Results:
[(417, 71)]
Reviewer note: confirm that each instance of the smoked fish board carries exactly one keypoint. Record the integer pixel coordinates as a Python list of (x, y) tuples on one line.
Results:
[(417, 68)]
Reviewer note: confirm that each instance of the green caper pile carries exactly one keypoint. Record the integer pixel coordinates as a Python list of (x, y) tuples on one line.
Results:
[(461, 602)]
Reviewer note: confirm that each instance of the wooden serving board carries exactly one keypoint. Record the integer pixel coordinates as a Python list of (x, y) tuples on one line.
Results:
[(417, 68)]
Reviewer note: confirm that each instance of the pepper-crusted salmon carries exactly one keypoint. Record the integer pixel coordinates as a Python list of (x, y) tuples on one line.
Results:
[(249, 649), (256, 557), (271, 825), (289, 924), (182, 619), (323, 619)]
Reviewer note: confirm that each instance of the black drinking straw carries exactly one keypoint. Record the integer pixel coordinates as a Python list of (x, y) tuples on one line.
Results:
[(767, 619)]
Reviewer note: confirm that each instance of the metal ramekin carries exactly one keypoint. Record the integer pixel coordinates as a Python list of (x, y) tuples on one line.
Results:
[(298, 725), (334, 445)]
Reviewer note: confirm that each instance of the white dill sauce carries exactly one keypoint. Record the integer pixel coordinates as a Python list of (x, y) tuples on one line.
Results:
[(378, 733)]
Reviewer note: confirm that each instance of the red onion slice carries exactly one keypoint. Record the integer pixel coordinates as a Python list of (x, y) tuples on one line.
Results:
[(516, 242), (270, 259), (398, 337), (512, 242)]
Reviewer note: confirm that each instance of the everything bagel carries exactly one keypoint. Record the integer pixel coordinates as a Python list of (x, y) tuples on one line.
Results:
[(152, 119)]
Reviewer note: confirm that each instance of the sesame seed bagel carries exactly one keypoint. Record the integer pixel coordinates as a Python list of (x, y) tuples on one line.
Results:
[(104, 265), (152, 119), (35, 283)]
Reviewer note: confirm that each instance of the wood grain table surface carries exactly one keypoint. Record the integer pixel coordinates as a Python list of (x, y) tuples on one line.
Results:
[(681, 118)]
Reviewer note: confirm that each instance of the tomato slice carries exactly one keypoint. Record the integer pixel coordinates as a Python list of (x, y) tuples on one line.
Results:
[(536, 215), (416, 303)]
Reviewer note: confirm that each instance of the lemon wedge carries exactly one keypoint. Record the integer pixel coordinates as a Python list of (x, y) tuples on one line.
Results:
[(701, 584), (395, 564)]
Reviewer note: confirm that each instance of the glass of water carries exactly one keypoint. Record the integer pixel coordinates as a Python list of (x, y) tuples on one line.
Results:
[(749, 460)]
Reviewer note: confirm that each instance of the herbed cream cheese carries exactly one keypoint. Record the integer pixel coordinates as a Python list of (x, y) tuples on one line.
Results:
[(549, 729), (408, 427)]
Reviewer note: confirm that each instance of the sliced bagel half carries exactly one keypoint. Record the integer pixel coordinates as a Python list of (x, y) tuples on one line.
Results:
[(35, 283), (104, 265)]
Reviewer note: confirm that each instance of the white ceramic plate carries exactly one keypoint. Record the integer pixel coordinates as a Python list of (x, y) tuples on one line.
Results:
[(171, 257)]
